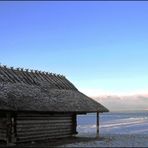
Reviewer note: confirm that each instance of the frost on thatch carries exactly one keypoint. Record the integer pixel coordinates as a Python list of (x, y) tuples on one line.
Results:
[(44, 96), (34, 98)]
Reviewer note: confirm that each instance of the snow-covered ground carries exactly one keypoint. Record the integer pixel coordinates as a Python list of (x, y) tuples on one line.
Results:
[(116, 130)]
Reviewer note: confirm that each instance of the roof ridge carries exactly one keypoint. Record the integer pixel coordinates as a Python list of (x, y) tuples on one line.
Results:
[(34, 77), (31, 70)]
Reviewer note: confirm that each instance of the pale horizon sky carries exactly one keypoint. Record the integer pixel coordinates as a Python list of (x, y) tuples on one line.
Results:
[(101, 47)]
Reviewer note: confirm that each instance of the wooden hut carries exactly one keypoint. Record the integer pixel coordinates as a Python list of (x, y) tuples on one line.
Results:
[(38, 105)]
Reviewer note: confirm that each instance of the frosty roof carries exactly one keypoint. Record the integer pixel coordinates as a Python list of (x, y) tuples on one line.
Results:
[(34, 77), (24, 90)]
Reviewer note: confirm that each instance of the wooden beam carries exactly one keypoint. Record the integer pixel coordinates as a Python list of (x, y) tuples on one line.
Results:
[(97, 125)]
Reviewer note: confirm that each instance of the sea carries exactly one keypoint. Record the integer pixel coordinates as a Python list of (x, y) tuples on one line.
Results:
[(129, 122)]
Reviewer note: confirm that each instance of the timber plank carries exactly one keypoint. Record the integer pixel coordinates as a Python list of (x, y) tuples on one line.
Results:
[(42, 121), (25, 139), (31, 135), (43, 128), (43, 118), (42, 125)]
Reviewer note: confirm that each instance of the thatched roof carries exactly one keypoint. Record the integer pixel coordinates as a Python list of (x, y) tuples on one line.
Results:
[(22, 90)]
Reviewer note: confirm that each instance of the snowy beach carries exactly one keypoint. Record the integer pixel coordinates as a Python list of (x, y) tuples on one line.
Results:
[(127, 129)]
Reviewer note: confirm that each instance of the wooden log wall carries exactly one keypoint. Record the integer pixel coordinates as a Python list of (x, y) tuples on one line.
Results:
[(42, 126), (7, 128), (3, 128)]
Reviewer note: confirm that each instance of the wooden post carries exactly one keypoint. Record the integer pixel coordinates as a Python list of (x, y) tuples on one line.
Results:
[(13, 129), (97, 125), (8, 124), (74, 124)]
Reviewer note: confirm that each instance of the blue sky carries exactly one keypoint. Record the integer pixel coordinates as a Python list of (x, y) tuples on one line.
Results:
[(99, 46)]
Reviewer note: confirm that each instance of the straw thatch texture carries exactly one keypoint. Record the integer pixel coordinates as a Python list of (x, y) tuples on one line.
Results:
[(17, 94), (34, 77), (23, 97)]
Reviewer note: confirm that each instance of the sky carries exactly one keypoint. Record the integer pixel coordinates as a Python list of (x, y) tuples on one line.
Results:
[(101, 47)]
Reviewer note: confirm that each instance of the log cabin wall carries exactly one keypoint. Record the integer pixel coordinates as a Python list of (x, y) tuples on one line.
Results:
[(31, 127), (7, 127), (3, 127)]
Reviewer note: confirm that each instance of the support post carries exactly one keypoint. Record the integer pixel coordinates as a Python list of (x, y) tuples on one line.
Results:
[(97, 125), (74, 124), (8, 124), (13, 130)]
